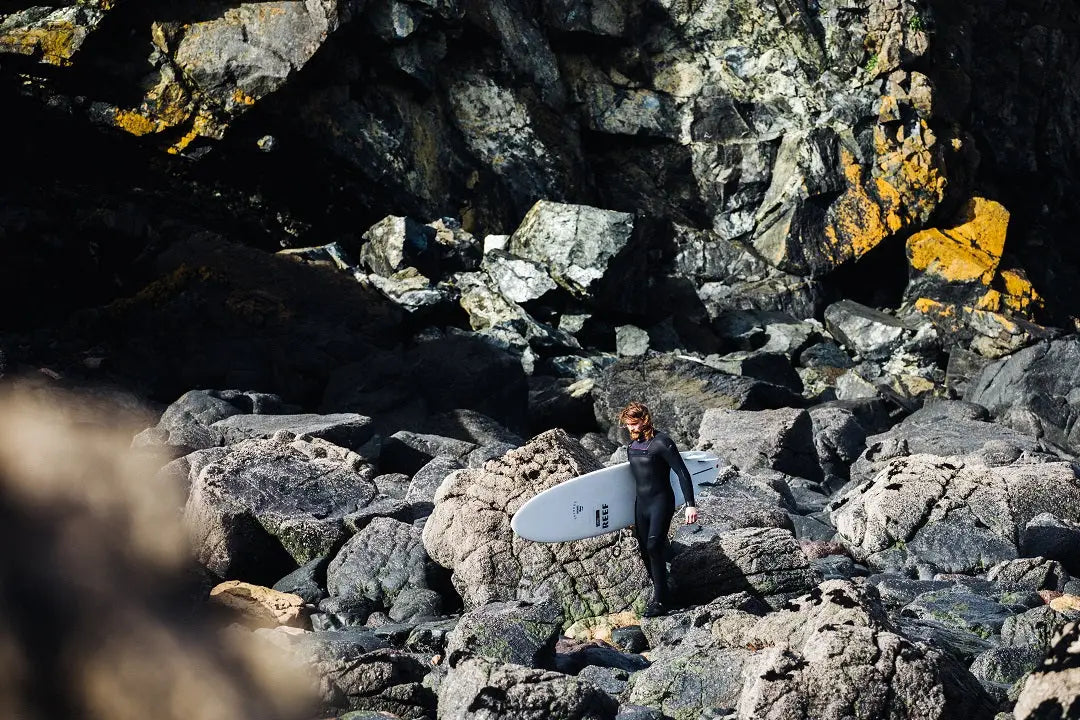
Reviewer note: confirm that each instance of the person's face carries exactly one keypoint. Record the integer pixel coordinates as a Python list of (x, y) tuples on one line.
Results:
[(634, 426)]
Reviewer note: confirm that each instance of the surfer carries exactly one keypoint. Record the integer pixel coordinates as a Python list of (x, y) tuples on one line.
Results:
[(653, 456)]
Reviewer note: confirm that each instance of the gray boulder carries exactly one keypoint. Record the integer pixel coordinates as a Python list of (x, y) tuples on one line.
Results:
[(509, 632), (380, 562), (763, 561), (262, 505), (771, 367), (352, 674), (840, 431), (347, 430), (469, 533), (1029, 573), (998, 669), (308, 581), (948, 428), (950, 515), (776, 439), (577, 244), (395, 243), (187, 424), (870, 333), (1035, 628), (1039, 382), (680, 390), (504, 321), (517, 279), (832, 653), (958, 607), (406, 451), (1052, 689), (480, 689), (1048, 536), (425, 483)]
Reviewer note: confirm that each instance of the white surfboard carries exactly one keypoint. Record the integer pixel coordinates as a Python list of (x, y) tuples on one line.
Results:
[(598, 502)]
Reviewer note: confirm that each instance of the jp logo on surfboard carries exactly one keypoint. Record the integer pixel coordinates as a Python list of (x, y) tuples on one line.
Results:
[(642, 493)]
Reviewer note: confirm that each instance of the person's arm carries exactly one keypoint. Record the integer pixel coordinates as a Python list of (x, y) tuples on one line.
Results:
[(670, 453)]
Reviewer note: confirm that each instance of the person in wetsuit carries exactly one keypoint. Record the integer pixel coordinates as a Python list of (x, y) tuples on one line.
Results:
[(652, 456)]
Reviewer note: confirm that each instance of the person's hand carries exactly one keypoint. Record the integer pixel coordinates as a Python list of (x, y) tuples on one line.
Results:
[(691, 514)]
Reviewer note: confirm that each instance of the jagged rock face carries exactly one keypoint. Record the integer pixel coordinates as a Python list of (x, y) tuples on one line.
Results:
[(775, 439), (511, 632), (469, 533), (948, 514)]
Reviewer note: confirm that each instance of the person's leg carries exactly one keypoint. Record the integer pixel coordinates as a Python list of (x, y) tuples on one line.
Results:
[(656, 545), (641, 534)]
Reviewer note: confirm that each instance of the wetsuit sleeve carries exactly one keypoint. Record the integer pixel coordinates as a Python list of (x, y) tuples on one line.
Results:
[(670, 453)]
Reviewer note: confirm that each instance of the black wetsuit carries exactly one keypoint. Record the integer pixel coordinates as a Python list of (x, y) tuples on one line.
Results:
[(650, 462)]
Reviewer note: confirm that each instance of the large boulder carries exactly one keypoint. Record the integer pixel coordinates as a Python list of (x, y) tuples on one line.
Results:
[(262, 507), (949, 428), (949, 514), (1034, 390), (480, 689), (840, 432), (678, 391), (833, 654), (510, 632), (380, 563), (776, 439), (763, 561), (469, 533)]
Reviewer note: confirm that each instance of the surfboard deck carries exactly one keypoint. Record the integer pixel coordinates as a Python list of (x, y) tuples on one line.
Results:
[(598, 502)]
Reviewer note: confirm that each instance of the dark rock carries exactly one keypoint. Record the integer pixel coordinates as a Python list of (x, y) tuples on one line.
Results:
[(352, 675), (611, 680), (1035, 628), (1053, 538), (392, 485), (1034, 573), (679, 392), (512, 632), (897, 591), (629, 639), (395, 243), (958, 608), (308, 581), (765, 561), (1039, 379), (471, 426), (998, 669), (406, 452), (415, 602), (267, 505), (562, 403), (380, 562), (381, 506), (572, 656), (425, 483), (336, 613), (960, 644), (840, 430), (770, 367), (478, 688), (776, 439), (343, 429)]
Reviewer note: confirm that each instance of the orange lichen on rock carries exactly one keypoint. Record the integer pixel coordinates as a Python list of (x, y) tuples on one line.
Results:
[(970, 251), (135, 123), (55, 42), (863, 216), (1020, 294)]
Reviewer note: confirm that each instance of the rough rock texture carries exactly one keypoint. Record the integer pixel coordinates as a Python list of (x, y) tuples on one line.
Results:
[(1053, 689), (950, 428), (1049, 536), (352, 675), (833, 655), (478, 689), (679, 391), (764, 561), (381, 561), (949, 514), (840, 431), (510, 632), (469, 533), (775, 439), (265, 504), (1035, 628), (1035, 384), (1033, 574)]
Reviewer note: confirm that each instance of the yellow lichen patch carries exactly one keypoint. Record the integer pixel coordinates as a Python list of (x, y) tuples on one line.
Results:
[(135, 123), (198, 128), (857, 221), (991, 301), (1020, 294), (967, 252), (932, 307), (55, 43), (241, 98)]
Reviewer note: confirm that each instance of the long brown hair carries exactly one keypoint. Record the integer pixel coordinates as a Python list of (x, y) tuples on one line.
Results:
[(636, 412)]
